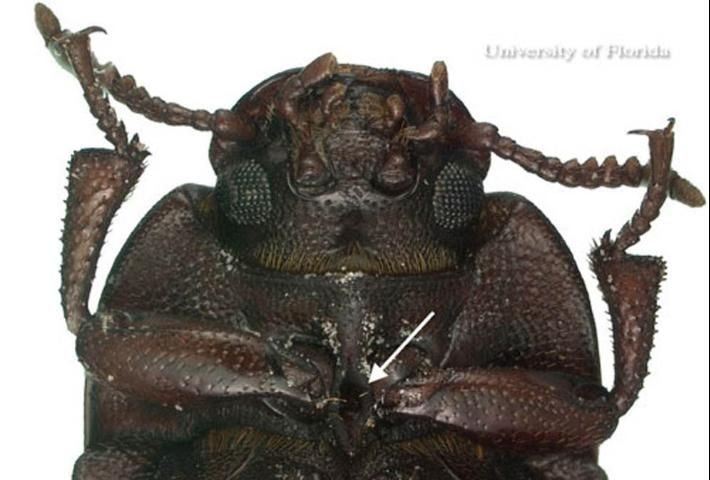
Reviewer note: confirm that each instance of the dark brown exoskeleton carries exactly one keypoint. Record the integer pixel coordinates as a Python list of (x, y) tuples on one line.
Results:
[(235, 334)]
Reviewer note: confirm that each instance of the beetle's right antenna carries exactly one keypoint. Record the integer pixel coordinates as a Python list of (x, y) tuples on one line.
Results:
[(73, 52)]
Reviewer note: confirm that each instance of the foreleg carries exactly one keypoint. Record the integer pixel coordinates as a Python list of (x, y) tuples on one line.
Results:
[(630, 283), (180, 362), (99, 179), (511, 409)]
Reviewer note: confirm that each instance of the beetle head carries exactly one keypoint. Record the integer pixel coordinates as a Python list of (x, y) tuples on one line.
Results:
[(351, 169)]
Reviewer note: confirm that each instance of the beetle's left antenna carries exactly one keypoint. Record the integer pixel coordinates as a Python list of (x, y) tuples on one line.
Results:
[(72, 50), (590, 174)]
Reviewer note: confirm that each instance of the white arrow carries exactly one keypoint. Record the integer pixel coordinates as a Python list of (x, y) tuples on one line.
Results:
[(378, 372)]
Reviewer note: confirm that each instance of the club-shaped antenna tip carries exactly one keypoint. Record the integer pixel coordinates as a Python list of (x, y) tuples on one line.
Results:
[(47, 22)]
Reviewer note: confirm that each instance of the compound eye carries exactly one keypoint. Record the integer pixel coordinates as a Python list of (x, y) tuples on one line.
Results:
[(245, 193), (458, 193)]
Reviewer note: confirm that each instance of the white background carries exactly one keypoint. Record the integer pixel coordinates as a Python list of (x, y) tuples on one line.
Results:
[(207, 56)]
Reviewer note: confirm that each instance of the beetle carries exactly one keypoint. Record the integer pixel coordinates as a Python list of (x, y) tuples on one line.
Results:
[(236, 330)]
